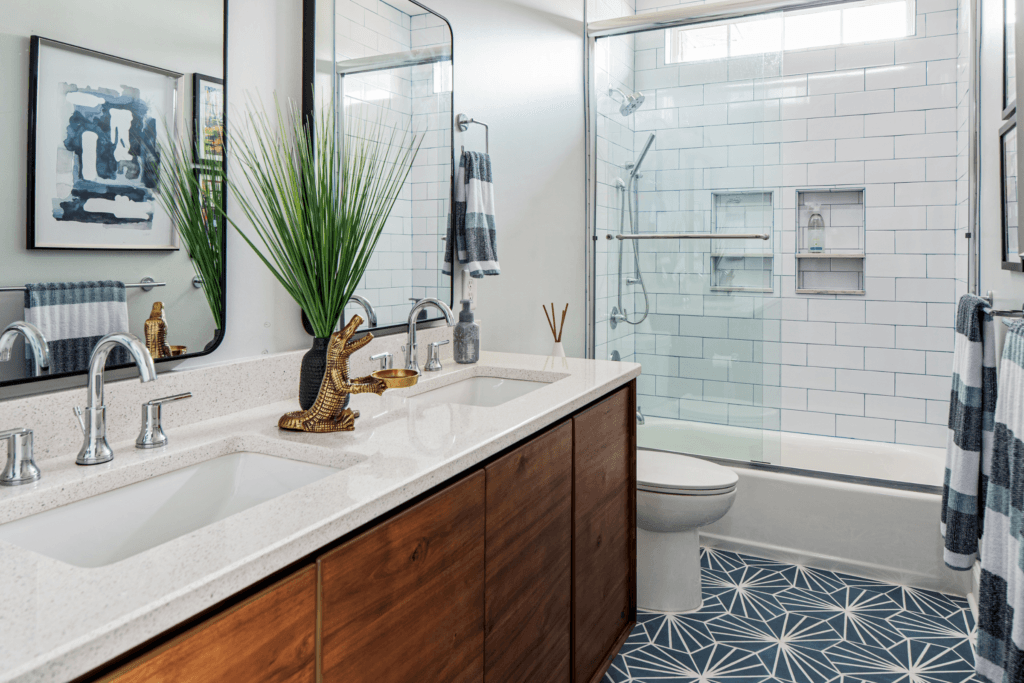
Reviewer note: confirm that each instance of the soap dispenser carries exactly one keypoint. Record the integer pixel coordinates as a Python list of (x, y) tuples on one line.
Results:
[(815, 230), (467, 336)]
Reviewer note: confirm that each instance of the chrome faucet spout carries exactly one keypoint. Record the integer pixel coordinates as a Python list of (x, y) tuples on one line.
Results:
[(411, 361), (33, 336), (95, 449), (371, 315)]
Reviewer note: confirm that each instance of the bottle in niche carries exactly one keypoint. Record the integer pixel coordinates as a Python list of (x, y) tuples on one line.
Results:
[(467, 336), (815, 230)]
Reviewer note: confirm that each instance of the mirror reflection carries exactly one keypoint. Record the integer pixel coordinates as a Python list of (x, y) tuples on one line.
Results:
[(91, 101), (395, 60)]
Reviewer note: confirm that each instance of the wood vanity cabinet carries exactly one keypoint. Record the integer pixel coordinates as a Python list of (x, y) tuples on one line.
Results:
[(522, 571), (604, 537), (269, 637), (404, 601), (529, 561)]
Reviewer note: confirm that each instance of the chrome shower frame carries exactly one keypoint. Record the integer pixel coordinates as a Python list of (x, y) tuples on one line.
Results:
[(699, 14)]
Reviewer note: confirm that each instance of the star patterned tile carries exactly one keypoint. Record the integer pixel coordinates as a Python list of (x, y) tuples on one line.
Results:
[(764, 621)]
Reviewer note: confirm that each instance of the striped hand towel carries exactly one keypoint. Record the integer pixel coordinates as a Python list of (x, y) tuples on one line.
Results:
[(73, 316), (471, 233), (972, 403), (1001, 601)]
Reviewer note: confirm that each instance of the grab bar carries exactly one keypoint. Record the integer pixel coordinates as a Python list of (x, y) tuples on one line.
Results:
[(691, 236)]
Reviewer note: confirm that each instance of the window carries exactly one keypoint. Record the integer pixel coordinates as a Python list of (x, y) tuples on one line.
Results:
[(442, 77), (859, 22)]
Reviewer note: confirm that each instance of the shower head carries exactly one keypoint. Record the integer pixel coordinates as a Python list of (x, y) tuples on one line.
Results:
[(630, 103), (636, 167)]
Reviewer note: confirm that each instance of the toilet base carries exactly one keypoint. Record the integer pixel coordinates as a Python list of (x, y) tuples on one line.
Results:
[(668, 571)]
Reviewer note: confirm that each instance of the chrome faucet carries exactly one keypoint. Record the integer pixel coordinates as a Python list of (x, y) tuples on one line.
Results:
[(639, 416), (34, 338), (95, 449), (411, 362), (371, 315)]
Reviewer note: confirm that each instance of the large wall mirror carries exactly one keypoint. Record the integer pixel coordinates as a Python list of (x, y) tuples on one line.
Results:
[(392, 62), (90, 89)]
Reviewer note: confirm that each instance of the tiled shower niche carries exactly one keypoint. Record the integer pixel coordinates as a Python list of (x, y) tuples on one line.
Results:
[(742, 265), (839, 267)]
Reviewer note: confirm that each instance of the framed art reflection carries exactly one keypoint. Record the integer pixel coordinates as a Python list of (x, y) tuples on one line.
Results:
[(96, 123)]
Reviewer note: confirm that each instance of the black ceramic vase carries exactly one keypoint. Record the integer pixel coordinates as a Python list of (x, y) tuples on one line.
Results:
[(314, 364)]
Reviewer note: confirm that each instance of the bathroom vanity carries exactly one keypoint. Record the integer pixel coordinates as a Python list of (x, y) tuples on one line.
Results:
[(477, 527)]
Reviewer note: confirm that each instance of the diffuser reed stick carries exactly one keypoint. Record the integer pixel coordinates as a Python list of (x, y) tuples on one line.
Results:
[(556, 331)]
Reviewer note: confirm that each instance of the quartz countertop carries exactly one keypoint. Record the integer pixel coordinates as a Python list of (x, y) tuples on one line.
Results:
[(59, 621)]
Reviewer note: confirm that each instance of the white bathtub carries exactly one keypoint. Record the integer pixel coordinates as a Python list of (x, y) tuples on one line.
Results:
[(877, 531), (850, 457)]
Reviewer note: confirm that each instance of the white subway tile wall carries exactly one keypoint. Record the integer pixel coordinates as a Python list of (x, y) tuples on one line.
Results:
[(889, 117), (406, 263)]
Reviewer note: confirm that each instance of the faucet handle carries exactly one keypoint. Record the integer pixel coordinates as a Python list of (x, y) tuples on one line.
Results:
[(21, 466), (385, 359), (152, 433), (434, 356)]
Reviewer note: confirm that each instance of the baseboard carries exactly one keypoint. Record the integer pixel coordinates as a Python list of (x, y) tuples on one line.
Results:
[(830, 563)]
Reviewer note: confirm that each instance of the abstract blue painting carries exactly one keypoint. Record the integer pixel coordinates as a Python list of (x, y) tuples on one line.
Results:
[(115, 158)]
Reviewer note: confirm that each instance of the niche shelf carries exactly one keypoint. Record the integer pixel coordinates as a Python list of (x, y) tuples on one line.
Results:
[(742, 265), (839, 269)]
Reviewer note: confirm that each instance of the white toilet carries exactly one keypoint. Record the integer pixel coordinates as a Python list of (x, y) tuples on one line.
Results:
[(676, 495)]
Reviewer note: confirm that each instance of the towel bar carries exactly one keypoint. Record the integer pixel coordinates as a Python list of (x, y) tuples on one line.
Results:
[(147, 284), (990, 298), (691, 236)]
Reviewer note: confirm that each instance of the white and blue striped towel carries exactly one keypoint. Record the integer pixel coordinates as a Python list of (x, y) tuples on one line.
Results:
[(471, 231), (73, 316), (972, 405), (1000, 651)]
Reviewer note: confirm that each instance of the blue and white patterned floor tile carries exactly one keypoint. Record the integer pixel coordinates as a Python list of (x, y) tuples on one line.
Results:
[(768, 621)]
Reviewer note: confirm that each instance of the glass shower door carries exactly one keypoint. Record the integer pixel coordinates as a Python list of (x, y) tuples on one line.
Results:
[(688, 145)]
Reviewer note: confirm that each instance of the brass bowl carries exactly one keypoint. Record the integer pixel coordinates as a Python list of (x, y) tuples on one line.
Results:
[(397, 378), (178, 350)]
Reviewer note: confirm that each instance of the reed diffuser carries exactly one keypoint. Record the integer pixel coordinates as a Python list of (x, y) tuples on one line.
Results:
[(556, 330)]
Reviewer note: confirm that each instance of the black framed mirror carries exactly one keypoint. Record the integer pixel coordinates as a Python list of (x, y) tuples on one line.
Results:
[(392, 61), (93, 93), (1008, 186)]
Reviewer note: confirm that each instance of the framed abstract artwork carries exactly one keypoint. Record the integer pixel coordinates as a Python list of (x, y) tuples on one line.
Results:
[(208, 118), (96, 124)]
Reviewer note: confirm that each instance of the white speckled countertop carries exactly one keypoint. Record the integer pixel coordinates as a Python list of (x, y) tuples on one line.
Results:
[(58, 621)]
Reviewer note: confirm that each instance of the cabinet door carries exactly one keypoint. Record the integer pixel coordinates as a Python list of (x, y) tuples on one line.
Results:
[(404, 601), (604, 571), (270, 638), (529, 561)]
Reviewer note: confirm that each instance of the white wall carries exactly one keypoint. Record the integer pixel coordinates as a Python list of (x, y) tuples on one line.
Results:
[(1008, 285), (519, 68), (264, 57)]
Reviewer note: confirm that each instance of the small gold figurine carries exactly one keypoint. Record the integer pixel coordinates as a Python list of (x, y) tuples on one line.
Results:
[(329, 413), (156, 332)]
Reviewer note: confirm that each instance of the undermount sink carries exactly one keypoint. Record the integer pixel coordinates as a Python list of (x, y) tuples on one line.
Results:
[(484, 392), (118, 524)]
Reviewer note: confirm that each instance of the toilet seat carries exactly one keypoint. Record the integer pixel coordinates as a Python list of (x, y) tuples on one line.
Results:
[(682, 475)]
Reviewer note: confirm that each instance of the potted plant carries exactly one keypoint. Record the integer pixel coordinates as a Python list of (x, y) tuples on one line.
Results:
[(193, 196), (318, 203)]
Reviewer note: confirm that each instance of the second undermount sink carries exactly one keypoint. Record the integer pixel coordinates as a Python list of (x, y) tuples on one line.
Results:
[(112, 526), (484, 392)]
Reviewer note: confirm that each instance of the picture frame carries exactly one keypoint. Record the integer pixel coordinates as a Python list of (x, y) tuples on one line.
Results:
[(96, 124), (1008, 148), (208, 119)]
